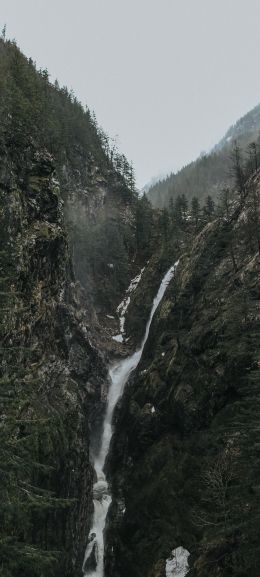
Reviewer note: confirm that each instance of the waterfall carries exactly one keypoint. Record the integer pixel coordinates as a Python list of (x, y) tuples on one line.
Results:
[(119, 372)]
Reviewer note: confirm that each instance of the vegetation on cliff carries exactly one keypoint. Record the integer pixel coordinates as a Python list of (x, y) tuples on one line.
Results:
[(184, 458), (47, 396), (211, 171), (97, 182)]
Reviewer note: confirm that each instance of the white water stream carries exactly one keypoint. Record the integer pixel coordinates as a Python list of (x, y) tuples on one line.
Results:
[(119, 373)]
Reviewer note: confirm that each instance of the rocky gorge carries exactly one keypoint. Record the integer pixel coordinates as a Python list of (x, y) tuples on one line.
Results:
[(150, 401)]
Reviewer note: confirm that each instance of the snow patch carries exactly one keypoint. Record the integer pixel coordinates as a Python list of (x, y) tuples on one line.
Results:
[(123, 306), (118, 338), (177, 565), (61, 295)]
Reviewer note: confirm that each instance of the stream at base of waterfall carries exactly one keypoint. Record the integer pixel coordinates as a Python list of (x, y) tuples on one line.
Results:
[(119, 372)]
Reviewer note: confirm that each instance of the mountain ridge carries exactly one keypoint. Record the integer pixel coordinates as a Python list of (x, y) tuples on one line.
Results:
[(209, 173)]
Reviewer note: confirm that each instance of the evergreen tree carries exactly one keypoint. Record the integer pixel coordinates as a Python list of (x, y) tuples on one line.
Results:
[(209, 207), (144, 226), (171, 209), (180, 208), (237, 171), (165, 225), (184, 204), (253, 157), (195, 211)]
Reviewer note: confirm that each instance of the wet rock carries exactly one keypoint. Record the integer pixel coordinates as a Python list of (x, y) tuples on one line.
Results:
[(91, 560)]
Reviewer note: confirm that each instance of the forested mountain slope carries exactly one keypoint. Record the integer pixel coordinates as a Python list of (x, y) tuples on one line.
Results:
[(54, 162), (97, 183), (184, 460), (211, 172)]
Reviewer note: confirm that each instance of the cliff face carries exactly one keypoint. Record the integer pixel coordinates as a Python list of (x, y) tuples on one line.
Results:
[(100, 215), (67, 208), (53, 376), (184, 457), (96, 182)]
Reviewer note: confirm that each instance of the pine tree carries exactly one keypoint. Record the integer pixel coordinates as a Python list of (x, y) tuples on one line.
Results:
[(180, 209), (253, 157), (184, 204), (195, 211), (144, 226), (209, 207), (171, 209), (237, 171)]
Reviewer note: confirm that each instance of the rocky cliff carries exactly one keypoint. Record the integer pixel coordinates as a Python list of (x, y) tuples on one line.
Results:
[(55, 378), (68, 234), (96, 181), (184, 456)]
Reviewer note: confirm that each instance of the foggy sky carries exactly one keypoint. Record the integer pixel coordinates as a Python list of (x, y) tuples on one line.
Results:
[(167, 76)]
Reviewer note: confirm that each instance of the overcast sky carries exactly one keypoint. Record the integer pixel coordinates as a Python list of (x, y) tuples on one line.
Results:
[(167, 76)]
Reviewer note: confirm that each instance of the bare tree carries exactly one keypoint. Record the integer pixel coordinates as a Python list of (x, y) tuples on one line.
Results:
[(216, 481)]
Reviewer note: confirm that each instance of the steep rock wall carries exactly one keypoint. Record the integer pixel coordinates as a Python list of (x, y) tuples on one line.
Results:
[(56, 375), (183, 462)]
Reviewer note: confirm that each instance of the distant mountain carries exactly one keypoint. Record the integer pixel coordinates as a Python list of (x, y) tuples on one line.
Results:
[(210, 172), (152, 182), (245, 130)]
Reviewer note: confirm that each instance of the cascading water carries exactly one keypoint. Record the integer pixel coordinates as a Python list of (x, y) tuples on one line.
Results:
[(119, 372)]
